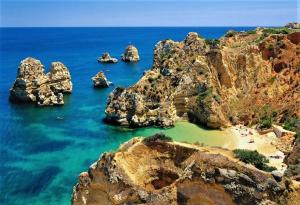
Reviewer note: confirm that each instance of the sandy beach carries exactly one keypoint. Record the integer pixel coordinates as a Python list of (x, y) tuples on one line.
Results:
[(249, 138)]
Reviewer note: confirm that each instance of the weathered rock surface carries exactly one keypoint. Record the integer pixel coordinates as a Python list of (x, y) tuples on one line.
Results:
[(105, 58), (294, 25), (155, 171), (33, 85), (285, 139), (215, 83), (100, 81), (293, 161), (131, 54)]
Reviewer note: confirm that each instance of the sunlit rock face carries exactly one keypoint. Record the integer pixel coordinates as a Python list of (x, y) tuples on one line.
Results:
[(100, 80), (157, 171), (216, 83), (32, 85), (131, 54), (106, 58)]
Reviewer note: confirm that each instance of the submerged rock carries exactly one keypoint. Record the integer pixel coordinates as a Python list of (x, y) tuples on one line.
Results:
[(100, 80), (105, 58), (157, 171), (214, 82), (33, 85), (131, 54)]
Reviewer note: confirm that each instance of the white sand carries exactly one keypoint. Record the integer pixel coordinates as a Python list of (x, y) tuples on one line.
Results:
[(249, 138)]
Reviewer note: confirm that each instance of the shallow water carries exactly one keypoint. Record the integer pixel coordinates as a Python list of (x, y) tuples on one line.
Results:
[(41, 156)]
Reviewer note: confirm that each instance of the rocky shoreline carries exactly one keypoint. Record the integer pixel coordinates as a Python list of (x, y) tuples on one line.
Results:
[(242, 80), (156, 170), (245, 81), (216, 83)]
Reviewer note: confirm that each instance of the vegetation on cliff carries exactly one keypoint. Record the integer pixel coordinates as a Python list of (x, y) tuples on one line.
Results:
[(253, 157), (156, 171), (216, 82)]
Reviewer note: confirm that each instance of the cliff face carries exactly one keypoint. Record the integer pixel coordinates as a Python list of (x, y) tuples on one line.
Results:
[(33, 85), (155, 171), (214, 82)]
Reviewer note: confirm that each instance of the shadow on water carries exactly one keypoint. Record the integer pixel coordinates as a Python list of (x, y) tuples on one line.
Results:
[(31, 184)]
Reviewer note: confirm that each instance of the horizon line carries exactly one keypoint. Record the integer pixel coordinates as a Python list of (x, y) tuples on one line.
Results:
[(138, 26)]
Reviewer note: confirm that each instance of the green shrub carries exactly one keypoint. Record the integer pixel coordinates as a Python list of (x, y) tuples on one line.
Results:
[(212, 42), (293, 124), (266, 119), (230, 33), (292, 170), (253, 157), (158, 136), (265, 122), (251, 32), (204, 94), (276, 31)]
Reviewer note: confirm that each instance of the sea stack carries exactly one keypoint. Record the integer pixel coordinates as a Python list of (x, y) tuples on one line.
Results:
[(106, 58), (100, 81), (131, 54), (32, 85)]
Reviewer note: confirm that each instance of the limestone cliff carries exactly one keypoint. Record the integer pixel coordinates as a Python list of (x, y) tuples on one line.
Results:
[(215, 82), (157, 171), (33, 85)]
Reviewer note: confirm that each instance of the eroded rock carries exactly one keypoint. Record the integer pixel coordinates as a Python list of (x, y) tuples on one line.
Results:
[(158, 171), (131, 54), (105, 58), (32, 85), (214, 83), (100, 80)]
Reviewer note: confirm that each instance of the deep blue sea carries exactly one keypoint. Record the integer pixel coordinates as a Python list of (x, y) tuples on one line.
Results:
[(40, 156)]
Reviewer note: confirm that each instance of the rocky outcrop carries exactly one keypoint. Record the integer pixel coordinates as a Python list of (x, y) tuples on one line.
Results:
[(105, 58), (157, 171), (100, 81), (214, 82), (131, 54), (32, 85), (294, 25)]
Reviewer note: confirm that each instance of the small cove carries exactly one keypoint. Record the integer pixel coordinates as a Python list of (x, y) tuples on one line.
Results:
[(43, 150)]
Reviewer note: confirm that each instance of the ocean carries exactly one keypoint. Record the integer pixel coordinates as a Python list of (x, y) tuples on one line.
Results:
[(41, 156)]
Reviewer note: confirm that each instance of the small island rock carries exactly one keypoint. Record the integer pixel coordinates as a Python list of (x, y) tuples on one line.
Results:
[(131, 54), (100, 81), (33, 85), (106, 58)]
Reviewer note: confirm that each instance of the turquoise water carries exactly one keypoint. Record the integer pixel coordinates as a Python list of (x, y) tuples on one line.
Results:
[(42, 156)]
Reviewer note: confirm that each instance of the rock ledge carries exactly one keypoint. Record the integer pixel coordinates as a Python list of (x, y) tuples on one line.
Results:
[(156, 171)]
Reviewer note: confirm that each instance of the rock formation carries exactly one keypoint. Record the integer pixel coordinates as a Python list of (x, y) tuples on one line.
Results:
[(100, 80), (157, 171), (215, 82), (131, 54), (105, 58), (33, 85), (294, 25)]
